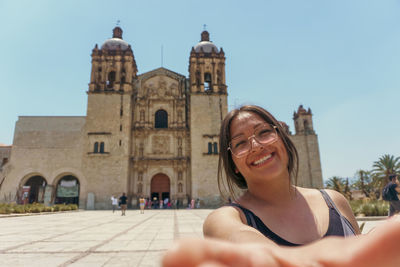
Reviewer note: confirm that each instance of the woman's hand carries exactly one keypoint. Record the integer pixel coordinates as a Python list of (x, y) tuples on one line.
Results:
[(379, 248)]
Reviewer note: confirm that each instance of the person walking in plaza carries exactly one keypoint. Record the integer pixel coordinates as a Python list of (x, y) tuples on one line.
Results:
[(390, 193), (123, 203), (114, 203), (141, 204)]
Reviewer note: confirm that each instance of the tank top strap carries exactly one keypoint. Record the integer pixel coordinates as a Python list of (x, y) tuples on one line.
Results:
[(249, 215), (328, 199), (348, 229)]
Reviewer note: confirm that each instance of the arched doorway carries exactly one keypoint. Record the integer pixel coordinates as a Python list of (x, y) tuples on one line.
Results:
[(67, 190), (160, 187), (35, 192)]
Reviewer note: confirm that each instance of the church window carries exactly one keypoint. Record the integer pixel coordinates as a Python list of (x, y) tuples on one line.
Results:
[(179, 175), (179, 141), (140, 176), (161, 119), (180, 188), (207, 81), (120, 127), (111, 79), (96, 147), (210, 148), (180, 152), (120, 142), (215, 148), (198, 78), (101, 147)]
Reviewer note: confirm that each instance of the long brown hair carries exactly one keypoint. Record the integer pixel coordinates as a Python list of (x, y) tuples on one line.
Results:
[(235, 181)]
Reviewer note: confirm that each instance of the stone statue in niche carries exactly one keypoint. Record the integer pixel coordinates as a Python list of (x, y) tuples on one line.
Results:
[(160, 144)]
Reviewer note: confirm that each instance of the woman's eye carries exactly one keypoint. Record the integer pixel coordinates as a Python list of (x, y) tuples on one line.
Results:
[(240, 143), (264, 132)]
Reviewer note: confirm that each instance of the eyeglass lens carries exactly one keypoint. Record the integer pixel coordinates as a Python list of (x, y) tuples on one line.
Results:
[(263, 135)]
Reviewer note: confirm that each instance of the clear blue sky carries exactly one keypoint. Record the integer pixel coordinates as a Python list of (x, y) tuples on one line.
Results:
[(340, 58)]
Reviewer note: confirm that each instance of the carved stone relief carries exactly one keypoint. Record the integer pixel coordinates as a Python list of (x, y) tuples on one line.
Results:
[(160, 144)]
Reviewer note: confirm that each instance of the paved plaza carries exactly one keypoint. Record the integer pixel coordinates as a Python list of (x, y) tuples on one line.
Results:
[(98, 238)]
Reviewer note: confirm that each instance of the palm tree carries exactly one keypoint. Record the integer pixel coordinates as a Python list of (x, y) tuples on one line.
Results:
[(364, 183), (336, 183), (386, 165)]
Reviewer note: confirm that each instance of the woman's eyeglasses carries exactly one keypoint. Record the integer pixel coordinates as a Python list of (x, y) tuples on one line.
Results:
[(264, 134)]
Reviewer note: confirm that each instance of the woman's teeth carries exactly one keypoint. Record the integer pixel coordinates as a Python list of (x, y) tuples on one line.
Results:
[(262, 160)]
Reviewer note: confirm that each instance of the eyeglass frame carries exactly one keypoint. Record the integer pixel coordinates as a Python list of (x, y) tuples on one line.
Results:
[(274, 127)]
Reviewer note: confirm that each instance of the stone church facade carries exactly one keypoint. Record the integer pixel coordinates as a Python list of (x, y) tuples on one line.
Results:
[(153, 135)]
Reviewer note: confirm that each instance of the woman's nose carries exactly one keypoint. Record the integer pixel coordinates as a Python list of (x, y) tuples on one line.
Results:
[(254, 143)]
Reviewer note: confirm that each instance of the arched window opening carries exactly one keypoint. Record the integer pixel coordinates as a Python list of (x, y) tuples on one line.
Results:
[(161, 119), (140, 176), (198, 78), (102, 147), (180, 188), (215, 148), (207, 81), (179, 175), (306, 126), (210, 148), (111, 79), (96, 147)]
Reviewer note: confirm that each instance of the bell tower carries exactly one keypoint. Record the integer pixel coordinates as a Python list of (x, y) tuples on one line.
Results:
[(113, 66), (306, 140), (207, 67), (208, 106), (303, 121), (107, 135)]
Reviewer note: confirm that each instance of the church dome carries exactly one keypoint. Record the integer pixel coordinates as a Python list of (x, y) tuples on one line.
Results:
[(205, 44), (116, 41)]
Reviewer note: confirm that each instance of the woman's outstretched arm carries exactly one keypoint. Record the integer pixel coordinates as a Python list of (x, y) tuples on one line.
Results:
[(379, 248)]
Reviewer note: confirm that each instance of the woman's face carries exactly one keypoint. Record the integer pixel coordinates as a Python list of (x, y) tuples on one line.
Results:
[(262, 162)]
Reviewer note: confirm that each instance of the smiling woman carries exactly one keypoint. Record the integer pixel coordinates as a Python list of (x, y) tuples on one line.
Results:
[(259, 158), (271, 214)]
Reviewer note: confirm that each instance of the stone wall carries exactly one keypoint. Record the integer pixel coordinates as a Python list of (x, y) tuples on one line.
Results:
[(45, 146)]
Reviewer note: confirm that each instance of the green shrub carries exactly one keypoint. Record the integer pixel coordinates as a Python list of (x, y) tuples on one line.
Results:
[(48, 209), (73, 206), (56, 207), (370, 207), (19, 209), (3, 210)]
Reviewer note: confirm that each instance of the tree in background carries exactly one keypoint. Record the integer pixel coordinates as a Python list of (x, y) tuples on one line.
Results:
[(382, 168), (364, 183), (335, 183)]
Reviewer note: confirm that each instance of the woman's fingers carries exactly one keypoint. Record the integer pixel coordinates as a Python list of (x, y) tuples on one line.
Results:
[(195, 252)]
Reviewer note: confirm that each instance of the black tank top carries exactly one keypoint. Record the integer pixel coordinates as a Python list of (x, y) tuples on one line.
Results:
[(338, 224)]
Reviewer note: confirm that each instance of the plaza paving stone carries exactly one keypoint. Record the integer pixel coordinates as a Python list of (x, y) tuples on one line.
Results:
[(99, 238)]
